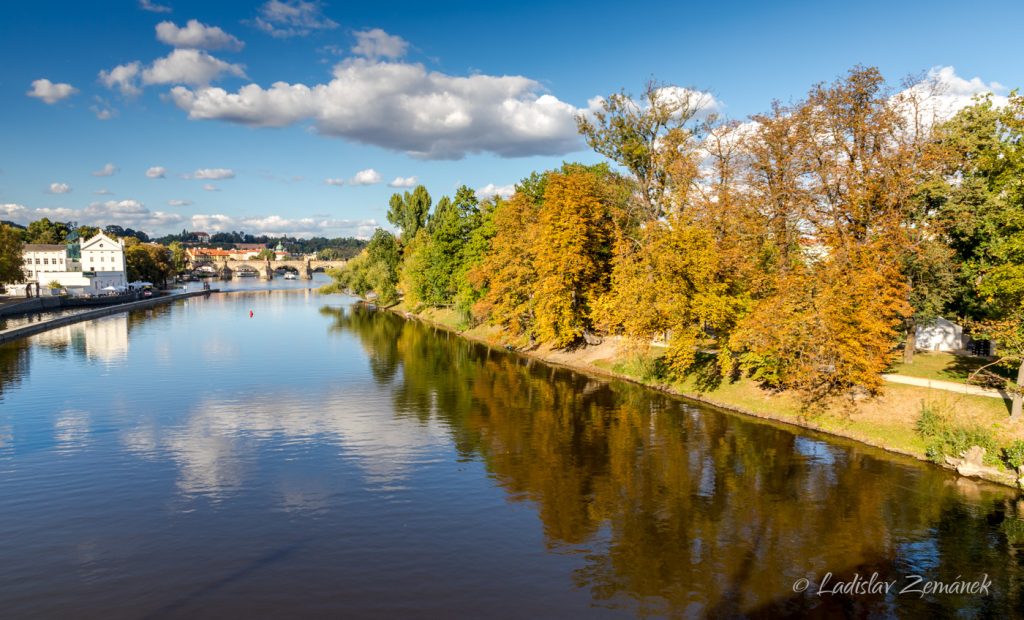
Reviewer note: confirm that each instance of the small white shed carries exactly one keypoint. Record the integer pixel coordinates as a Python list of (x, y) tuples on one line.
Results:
[(940, 335)]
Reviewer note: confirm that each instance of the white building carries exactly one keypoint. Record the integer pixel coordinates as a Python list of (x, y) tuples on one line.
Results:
[(940, 335), (102, 264), (41, 259)]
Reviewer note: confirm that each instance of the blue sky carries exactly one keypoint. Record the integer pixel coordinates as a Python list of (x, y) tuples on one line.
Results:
[(448, 93)]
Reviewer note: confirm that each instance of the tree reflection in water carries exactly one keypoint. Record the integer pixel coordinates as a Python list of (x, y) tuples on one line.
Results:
[(680, 509)]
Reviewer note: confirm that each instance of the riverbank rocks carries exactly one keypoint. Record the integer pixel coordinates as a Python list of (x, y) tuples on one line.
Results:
[(971, 464)]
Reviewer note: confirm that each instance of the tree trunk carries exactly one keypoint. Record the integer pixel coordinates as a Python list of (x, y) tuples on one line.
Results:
[(911, 343), (1015, 411)]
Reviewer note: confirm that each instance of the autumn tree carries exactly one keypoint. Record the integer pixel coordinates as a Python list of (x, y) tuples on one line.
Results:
[(573, 256), (508, 272), (835, 178), (654, 139)]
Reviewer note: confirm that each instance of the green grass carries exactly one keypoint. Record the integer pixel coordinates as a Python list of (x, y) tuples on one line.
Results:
[(946, 367)]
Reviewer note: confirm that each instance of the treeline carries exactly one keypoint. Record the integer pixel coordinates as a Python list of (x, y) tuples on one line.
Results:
[(339, 248), (799, 248)]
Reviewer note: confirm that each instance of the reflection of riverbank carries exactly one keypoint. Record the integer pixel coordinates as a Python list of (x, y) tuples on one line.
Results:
[(103, 339), (887, 422)]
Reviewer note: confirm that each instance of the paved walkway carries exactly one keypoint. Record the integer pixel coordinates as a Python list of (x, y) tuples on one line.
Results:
[(949, 386)]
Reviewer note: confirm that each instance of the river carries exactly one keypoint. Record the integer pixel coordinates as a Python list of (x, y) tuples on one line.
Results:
[(324, 459)]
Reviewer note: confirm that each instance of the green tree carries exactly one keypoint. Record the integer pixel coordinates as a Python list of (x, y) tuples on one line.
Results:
[(266, 254), (374, 270), (151, 263), (179, 260), (11, 260), (47, 232), (984, 213), (408, 212)]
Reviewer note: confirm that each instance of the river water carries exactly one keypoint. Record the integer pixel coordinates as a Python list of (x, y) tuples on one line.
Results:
[(322, 459)]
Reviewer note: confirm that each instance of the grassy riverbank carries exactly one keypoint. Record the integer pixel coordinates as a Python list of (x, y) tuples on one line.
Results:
[(888, 421)]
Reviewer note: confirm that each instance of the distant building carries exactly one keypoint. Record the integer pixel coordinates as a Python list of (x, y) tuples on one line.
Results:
[(202, 237), (250, 246)]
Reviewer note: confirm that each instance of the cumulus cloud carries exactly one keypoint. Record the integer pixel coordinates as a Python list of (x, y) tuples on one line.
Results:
[(156, 172), (196, 35), (366, 177), (123, 78), (152, 7), (376, 43), (215, 174), (291, 18), (402, 182), (491, 190), (276, 225), (210, 187), (127, 213), (942, 93), (193, 67), (105, 171), (59, 188), (403, 107), (179, 203), (335, 182), (103, 192), (49, 92)]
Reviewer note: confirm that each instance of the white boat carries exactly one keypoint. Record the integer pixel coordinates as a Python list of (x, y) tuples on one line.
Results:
[(290, 276)]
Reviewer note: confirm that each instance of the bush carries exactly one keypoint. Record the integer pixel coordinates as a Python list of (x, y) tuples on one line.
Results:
[(945, 438), (1014, 454)]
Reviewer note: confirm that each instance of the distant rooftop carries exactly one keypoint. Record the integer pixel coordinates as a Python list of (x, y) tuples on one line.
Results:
[(44, 247)]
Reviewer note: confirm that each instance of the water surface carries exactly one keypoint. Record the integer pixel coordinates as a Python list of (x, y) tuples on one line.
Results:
[(323, 459)]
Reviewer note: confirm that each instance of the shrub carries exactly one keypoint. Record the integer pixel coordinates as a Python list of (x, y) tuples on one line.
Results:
[(945, 438), (1014, 454)]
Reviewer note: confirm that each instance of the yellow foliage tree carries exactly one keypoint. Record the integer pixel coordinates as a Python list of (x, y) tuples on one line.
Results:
[(573, 255)]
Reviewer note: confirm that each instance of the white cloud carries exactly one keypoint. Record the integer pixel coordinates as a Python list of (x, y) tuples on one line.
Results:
[(122, 77), (49, 92), (210, 187), (152, 7), (943, 93), (276, 225), (215, 174), (196, 35), (14, 212), (179, 203), (156, 172), (376, 43), (127, 213), (103, 192), (403, 107), (59, 188), (490, 190), (290, 18), (105, 171), (335, 182), (403, 182), (194, 67), (366, 177)]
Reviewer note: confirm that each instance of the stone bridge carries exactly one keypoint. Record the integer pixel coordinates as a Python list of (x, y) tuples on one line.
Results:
[(304, 268)]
